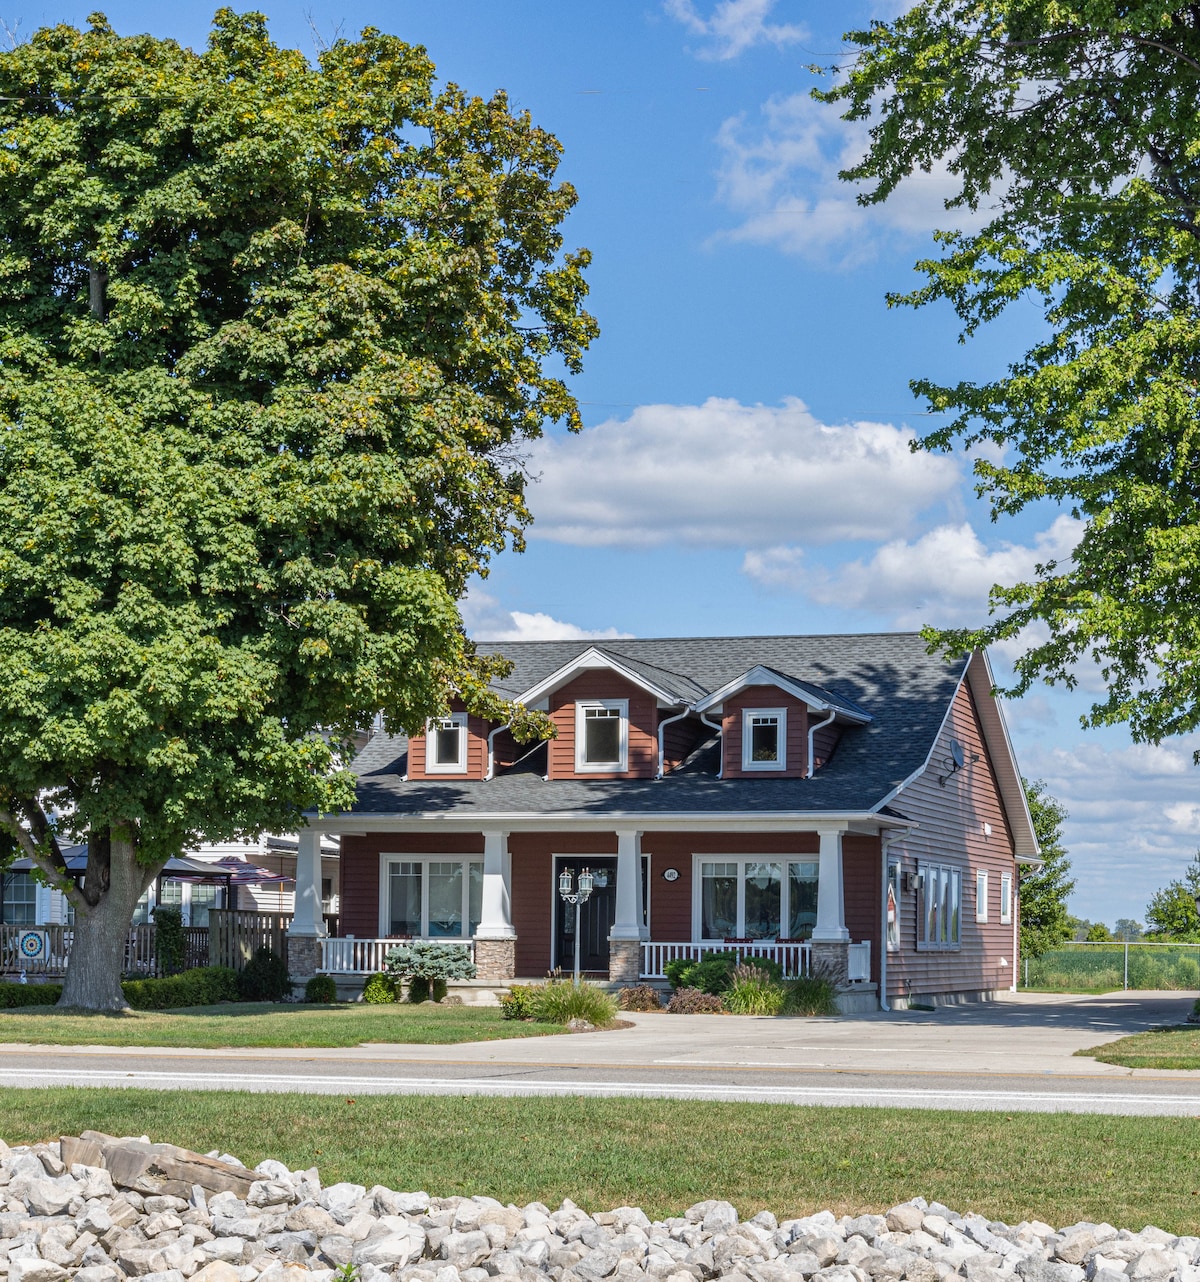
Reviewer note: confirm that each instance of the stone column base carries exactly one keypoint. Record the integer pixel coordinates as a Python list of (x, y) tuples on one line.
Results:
[(624, 962), (496, 959), (303, 956), (832, 959)]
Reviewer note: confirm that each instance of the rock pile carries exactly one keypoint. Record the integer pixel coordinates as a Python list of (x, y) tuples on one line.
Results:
[(97, 1209)]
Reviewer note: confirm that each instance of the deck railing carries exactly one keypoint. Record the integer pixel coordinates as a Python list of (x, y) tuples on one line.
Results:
[(352, 956), (795, 958), (141, 955)]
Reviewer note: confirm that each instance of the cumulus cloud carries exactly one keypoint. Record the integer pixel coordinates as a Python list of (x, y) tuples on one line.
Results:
[(723, 474), (487, 620), (941, 578), (779, 175), (734, 26)]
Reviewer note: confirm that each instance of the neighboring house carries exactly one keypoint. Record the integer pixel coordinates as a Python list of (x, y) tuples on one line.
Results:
[(849, 802)]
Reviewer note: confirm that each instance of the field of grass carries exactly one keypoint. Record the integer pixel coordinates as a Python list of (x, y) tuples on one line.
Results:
[(1101, 968), (1160, 1048), (665, 1155), (260, 1024)]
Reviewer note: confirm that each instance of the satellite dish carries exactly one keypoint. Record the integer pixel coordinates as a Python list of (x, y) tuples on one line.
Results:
[(956, 754)]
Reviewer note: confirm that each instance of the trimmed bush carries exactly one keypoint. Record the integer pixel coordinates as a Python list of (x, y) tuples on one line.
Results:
[(426, 965), (713, 973), (321, 988), (379, 989), (203, 986), (810, 995), (517, 1003), (752, 991), (640, 997), (13, 995), (264, 978), (168, 939), (559, 1001), (694, 1001)]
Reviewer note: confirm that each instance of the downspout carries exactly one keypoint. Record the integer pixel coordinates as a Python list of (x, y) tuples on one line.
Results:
[(721, 742), (885, 840), (491, 765), (812, 730), (662, 725)]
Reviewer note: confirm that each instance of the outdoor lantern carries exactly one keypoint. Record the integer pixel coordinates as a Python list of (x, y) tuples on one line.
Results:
[(586, 881), (564, 881), (576, 898)]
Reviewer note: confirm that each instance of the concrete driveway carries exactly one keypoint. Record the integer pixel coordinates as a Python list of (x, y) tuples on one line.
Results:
[(1012, 1054)]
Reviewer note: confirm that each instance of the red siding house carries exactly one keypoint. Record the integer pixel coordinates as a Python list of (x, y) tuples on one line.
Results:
[(845, 802)]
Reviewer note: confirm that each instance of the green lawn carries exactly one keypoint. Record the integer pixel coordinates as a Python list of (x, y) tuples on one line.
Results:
[(1160, 1048), (664, 1155), (260, 1024)]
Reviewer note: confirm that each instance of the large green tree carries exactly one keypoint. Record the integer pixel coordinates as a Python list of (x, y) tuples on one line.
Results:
[(1045, 920), (1171, 912), (1072, 127), (272, 335)]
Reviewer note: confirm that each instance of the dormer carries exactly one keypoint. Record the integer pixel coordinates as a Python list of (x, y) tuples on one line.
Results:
[(774, 726), (606, 713), (453, 747)]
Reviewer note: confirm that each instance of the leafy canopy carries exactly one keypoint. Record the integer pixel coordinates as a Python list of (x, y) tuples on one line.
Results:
[(1171, 912), (1045, 920), (271, 338), (1073, 125)]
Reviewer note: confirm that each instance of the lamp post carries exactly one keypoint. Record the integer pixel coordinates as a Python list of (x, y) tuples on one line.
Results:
[(578, 895)]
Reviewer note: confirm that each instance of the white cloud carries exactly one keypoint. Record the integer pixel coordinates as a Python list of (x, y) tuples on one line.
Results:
[(734, 26), (487, 620), (781, 179), (723, 474), (942, 578)]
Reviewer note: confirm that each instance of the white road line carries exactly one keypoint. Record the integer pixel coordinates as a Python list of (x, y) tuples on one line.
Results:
[(1023, 1101)]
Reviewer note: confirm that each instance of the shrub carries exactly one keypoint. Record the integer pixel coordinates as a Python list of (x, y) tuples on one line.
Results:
[(560, 1001), (640, 997), (203, 986), (29, 994), (517, 1003), (694, 1001), (168, 939), (321, 988), (814, 994), (379, 989), (713, 972), (752, 991), (427, 965), (265, 978)]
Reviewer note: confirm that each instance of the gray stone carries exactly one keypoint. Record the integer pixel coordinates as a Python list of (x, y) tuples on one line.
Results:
[(105, 1272), (719, 1218), (44, 1197), (465, 1250), (904, 1218), (227, 1249), (866, 1226), (1035, 1268), (340, 1200), (1153, 1265), (801, 1261), (337, 1249), (1074, 1246), (35, 1270), (598, 1264), (393, 1251)]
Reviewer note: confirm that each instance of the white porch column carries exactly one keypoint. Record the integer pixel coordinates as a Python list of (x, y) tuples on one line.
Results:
[(628, 924), (831, 908), (496, 912), (307, 921)]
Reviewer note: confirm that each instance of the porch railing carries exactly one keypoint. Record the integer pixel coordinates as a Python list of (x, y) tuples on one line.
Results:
[(141, 956), (352, 956), (796, 959)]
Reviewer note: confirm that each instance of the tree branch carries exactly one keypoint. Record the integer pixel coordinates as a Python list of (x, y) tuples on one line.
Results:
[(43, 853)]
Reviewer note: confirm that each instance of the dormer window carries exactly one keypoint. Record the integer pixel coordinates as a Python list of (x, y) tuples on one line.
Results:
[(764, 739), (446, 744), (602, 736)]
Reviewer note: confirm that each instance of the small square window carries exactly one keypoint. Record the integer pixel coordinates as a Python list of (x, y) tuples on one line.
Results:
[(764, 739), (601, 735), (446, 744)]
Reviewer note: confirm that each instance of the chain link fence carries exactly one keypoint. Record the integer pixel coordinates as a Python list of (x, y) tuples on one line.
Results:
[(1087, 967)]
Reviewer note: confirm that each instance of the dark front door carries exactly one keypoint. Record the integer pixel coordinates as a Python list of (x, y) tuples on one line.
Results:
[(595, 917)]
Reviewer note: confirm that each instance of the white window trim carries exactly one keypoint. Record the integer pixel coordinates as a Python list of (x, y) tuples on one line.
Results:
[(784, 899), (1006, 899), (459, 721), (929, 873), (781, 762), (388, 857), (582, 765), (981, 895), (895, 884)]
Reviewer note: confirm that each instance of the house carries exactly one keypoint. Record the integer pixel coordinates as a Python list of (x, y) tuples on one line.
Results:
[(845, 802)]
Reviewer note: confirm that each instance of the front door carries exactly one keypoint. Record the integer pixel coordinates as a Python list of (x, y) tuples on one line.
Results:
[(596, 917)]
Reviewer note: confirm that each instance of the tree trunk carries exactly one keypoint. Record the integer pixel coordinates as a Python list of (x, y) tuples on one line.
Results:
[(93, 980)]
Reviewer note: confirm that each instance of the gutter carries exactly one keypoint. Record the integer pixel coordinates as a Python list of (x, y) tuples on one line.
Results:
[(491, 765), (885, 840), (720, 742)]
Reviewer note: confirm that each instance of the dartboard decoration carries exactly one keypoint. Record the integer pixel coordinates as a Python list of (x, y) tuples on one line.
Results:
[(32, 945)]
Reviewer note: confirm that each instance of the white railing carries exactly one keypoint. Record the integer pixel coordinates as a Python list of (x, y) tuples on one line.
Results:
[(796, 959), (350, 956)]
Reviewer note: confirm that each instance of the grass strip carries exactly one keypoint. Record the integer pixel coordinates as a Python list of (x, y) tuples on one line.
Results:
[(261, 1024), (1159, 1048), (664, 1155)]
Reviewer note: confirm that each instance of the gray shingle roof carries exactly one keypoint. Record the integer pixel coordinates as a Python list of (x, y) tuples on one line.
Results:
[(905, 690)]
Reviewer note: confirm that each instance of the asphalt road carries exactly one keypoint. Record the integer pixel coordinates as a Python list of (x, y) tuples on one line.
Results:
[(1009, 1056)]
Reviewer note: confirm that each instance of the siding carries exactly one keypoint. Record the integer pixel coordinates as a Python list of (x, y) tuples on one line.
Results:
[(825, 743), (951, 832), (862, 888), (681, 739), (643, 725), (797, 732), (477, 733)]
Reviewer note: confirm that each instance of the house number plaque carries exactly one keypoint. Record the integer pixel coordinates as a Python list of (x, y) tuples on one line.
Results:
[(670, 874)]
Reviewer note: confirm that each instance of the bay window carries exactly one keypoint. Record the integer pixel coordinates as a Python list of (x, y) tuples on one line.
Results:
[(755, 898), (430, 897)]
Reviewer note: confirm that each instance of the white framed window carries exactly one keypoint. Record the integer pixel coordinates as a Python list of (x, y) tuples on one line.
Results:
[(20, 899), (764, 738), (981, 895), (1006, 898), (941, 906), (602, 735), (894, 900), (754, 897), (446, 744), (430, 896)]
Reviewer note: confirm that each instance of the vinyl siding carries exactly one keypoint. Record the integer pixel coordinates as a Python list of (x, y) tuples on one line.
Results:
[(477, 733), (797, 732), (862, 888), (825, 743), (599, 683), (681, 739)]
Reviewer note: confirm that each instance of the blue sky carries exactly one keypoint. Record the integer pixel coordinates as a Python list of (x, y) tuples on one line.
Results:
[(745, 468)]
